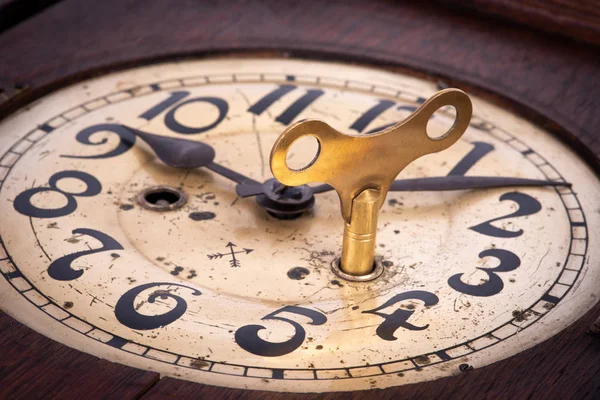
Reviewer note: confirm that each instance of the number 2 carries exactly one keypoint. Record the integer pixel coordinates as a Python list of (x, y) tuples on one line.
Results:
[(527, 205)]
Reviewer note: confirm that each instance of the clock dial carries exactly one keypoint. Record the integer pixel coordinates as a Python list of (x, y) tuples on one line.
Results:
[(109, 250)]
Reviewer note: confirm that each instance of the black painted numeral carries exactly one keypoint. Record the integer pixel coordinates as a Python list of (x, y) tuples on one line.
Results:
[(383, 105), (126, 313), (509, 261), (269, 99), (127, 137), (171, 105), (163, 105), (364, 120), (23, 204), (290, 113), (399, 318), (174, 125), (61, 268), (480, 150), (527, 205), (247, 336), (126, 140)]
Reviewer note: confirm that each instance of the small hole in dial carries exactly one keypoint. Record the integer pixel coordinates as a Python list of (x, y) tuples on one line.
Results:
[(162, 198)]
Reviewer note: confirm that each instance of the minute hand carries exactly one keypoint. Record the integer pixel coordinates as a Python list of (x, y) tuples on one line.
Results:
[(431, 184), (230, 174), (444, 183)]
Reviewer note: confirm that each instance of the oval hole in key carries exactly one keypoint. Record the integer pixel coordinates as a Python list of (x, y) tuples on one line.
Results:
[(303, 153), (441, 122)]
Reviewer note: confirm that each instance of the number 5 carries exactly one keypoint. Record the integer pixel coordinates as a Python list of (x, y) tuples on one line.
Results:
[(247, 336)]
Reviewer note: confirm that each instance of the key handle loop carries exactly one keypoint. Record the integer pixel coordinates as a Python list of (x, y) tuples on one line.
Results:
[(353, 163)]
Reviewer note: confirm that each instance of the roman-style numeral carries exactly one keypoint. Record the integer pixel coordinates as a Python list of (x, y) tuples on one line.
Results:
[(290, 113)]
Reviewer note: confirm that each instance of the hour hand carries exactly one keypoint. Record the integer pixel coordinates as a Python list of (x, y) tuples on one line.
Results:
[(176, 152), (183, 153)]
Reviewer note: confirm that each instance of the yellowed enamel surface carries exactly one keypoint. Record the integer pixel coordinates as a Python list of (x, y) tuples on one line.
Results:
[(424, 237)]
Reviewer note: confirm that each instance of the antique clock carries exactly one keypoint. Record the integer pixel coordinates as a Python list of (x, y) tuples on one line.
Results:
[(265, 200)]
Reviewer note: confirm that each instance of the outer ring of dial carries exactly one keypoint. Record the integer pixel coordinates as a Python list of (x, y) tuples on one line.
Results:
[(117, 342)]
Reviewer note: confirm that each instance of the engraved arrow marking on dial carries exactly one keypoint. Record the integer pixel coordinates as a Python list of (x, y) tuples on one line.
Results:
[(234, 262)]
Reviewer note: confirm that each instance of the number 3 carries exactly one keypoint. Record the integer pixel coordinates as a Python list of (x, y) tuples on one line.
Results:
[(509, 261)]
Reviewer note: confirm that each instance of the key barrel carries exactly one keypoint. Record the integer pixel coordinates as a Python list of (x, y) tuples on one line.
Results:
[(358, 247)]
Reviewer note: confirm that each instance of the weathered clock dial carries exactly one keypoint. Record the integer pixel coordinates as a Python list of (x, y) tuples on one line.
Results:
[(109, 250)]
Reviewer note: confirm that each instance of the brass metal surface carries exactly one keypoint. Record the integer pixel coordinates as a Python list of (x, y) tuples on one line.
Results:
[(361, 168), (376, 273), (358, 245)]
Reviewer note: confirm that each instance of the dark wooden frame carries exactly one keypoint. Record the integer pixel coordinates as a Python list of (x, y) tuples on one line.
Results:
[(552, 80)]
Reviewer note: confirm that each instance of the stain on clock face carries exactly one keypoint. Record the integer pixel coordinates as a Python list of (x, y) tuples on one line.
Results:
[(109, 250)]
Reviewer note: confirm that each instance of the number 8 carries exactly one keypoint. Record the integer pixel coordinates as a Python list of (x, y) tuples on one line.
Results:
[(23, 204)]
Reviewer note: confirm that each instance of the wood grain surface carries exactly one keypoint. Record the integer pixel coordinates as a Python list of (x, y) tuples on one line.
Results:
[(578, 19), (554, 81), (14, 12), (35, 367)]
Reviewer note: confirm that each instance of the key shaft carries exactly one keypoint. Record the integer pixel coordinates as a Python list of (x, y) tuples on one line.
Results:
[(358, 245)]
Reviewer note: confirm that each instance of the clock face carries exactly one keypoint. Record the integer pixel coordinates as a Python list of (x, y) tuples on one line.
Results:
[(108, 250)]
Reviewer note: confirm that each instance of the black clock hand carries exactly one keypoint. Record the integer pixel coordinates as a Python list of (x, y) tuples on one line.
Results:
[(445, 183), (255, 189), (177, 153), (230, 174), (183, 153), (442, 183)]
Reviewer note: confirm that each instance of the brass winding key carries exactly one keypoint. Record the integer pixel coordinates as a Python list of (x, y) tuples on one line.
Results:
[(361, 168)]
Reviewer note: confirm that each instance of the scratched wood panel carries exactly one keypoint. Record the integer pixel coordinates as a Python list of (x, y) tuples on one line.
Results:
[(552, 81)]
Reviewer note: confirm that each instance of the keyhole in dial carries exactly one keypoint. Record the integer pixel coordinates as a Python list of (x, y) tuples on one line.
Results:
[(162, 198)]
